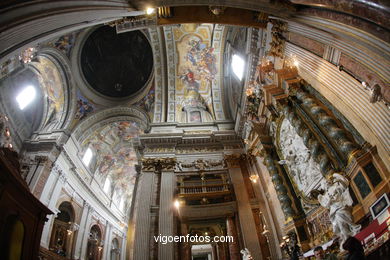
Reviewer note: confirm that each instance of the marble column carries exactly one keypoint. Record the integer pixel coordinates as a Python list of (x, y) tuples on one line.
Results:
[(142, 216), (247, 222), (166, 221), (234, 251)]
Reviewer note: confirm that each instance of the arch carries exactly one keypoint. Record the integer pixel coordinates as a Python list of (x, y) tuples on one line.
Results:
[(85, 86), (111, 115), (54, 74), (27, 120), (94, 246), (66, 209), (61, 239)]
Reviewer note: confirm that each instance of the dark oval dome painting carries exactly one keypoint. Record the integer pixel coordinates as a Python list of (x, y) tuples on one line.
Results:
[(116, 65)]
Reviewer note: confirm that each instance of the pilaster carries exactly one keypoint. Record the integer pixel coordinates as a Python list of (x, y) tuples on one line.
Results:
[(247, 222), (142, 216)]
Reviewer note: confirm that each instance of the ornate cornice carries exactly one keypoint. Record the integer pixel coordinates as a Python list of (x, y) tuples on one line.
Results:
[(158, 165)]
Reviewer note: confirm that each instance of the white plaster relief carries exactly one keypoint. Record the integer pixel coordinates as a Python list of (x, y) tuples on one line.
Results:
[(304, 171)]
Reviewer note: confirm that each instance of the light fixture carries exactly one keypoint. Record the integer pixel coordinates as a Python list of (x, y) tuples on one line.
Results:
[(176, 203), (150, 10), (238, 64), (296, 63), (69, 232), (253, 178), (100, 248), (26, 96), (217, 10)]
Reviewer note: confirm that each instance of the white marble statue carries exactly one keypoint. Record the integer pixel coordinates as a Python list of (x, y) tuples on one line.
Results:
[(338, 200), (303, 169), (246, 255)]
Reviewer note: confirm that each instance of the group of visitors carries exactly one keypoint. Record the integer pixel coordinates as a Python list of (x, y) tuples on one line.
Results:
[(352, 245)]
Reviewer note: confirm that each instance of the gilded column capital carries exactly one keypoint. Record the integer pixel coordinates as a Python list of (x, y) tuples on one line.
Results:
[(233, 160), (158, 164), (168, 164)]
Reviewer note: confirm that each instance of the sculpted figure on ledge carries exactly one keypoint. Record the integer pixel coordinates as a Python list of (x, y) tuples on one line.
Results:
[(337, 199)]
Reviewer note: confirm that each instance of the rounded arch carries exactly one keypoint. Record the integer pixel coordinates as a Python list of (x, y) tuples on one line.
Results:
[(61, 97), (85, 87), (94, 246), (67, 212), (62, 234), (111, 115), (96, 232)]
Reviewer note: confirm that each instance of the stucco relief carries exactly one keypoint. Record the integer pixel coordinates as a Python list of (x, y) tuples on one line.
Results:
[(303, 170)]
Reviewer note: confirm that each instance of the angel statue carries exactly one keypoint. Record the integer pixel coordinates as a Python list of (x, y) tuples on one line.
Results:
[(246, 255), (338, 200)]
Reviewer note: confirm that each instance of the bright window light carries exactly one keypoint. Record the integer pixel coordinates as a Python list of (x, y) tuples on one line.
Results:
[(87, 157), (122, 204), (25, 97), (107, 185), (150, 10), (238, 66)]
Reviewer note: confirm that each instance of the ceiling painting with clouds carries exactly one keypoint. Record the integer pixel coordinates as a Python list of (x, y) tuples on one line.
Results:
[(114, 158), (196, 73)]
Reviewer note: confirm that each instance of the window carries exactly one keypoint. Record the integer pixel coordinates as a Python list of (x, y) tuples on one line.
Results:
[(26, 96), (362, 185), (372, 174), (238, 66), (87, 156), (107, 185), (122, 204)]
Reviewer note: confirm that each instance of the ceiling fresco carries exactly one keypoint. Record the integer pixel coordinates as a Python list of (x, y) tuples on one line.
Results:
[(114, 156), (147, 103), (64, 43), (196, 69), (50, 80)]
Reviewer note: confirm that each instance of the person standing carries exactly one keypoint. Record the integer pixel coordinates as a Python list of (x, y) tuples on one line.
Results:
[(320, 254)]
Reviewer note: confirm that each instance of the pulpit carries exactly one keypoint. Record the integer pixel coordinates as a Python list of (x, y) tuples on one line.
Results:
[(22, 215)]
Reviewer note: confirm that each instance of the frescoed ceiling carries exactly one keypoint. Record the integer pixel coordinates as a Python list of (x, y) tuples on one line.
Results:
[(114, 157), (51, 82), (193, 55)]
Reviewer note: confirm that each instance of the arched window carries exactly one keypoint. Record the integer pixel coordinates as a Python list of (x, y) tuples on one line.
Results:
[(87, 157), (107, 185)]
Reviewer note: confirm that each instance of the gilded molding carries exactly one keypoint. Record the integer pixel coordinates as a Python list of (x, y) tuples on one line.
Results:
[(158, 164), (233, 160)]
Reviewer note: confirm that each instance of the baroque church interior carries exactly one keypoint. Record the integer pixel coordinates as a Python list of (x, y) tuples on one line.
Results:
[(123, 123)]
